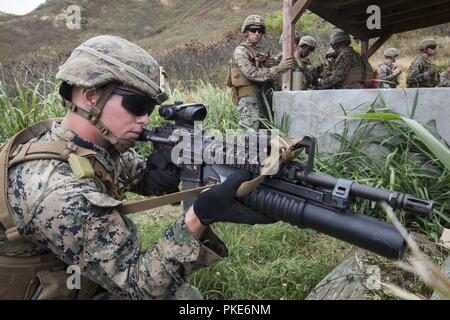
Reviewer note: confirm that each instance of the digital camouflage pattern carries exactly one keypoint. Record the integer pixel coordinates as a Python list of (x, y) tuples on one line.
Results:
[(445, 79), (338, 36), (244, 58), (422, 73), (427, 43), (81, 226), (391, 52), (249, 109), (253, 20), (308, 40), (104, 59), (388, 79), (347, 60)]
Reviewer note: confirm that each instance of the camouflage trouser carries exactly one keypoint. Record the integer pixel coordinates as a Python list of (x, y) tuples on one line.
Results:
[(184, 292), (249, 109)]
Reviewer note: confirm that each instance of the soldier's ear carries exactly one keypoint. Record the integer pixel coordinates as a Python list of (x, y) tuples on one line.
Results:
[(89, 97)]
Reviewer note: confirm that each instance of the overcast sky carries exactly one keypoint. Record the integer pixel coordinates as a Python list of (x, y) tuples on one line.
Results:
[(19, 6)]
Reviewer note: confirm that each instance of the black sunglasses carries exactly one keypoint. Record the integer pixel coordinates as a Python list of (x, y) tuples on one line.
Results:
[(432, 47), (134, 102), (254, 30)]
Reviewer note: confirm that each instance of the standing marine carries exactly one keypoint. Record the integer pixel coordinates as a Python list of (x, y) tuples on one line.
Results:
[(388, 71), (350, 70), (423, 72), (305, 47), (250, 69)]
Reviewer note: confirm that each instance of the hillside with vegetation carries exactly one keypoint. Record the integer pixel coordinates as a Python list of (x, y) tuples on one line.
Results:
[(157, 25), (193, 40)]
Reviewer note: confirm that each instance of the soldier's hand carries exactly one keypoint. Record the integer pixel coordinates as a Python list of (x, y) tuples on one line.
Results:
[(162, 176), (219, 204), (397, 71), (432, 70), (285, 64)]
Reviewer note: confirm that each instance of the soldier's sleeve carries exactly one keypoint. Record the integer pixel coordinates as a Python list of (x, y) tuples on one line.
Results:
[(445, 79), (82, 227), (134, 167), (417, 73), (341, 69), (249, 69), (383, 71)]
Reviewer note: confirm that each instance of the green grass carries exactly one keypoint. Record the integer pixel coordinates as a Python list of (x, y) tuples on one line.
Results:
[(266, 262), (279, 261)]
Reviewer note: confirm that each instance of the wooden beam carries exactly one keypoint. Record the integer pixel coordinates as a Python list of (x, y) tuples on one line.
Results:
[(419, 24), (414, 19), (364, 47), (298, 8), (411, 13), (288, 39), (377, 45), (342, 4)]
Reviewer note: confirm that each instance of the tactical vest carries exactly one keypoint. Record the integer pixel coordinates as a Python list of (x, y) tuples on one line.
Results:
[(360, 74), (20, 278), (240, 84), (23, 278), (385, 84)]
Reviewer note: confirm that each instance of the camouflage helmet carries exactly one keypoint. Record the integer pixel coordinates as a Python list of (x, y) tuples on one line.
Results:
[(392, 52), (339, 36), (253, 20), (308, 40), (427, 43), (109, 62), (105, 59)]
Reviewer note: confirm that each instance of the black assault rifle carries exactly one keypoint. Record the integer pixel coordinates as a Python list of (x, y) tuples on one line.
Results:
[(295, 194)]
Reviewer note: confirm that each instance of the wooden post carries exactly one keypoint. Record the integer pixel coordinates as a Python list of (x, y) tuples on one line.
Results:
[(288, 38), (292, 11), (364, 47)]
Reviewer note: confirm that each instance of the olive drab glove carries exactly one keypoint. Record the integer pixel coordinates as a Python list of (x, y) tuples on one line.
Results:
[(162, 176), (285, 64), (219, 203)]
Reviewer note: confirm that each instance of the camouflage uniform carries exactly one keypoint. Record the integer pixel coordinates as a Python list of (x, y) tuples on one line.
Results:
[(418, 75), (79, 223), (445, 79), (77, 219), (348, 59), (385, 72), (250, 108), (251, 73)]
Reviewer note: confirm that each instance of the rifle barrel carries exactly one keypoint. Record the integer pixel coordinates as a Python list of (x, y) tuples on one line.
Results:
[(395, 199)]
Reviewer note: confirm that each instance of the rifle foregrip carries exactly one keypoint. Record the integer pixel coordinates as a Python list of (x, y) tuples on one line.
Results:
[(365, 232)]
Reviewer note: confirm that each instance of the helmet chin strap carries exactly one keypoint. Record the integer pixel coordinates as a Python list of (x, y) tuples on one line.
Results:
[(93, 116)]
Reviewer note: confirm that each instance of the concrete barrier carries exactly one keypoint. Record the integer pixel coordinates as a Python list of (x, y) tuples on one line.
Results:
[(319, 112)]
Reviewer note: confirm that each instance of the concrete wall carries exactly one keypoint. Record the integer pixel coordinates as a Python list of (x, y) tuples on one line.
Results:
[(318, 112)]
